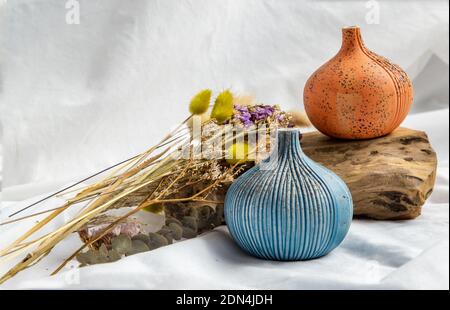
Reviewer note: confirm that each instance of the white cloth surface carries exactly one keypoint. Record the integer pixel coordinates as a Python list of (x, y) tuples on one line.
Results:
[(375, 255), (77, 98)]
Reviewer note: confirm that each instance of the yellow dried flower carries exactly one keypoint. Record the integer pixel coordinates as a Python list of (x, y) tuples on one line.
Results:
[(223, 107), (200, 102), (237, 153)]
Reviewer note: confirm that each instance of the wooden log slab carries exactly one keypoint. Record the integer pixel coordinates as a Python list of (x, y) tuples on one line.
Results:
[(390, 177)]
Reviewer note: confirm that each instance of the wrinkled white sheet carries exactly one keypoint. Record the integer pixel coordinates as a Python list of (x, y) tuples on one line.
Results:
[(375, 255), (77, 98)]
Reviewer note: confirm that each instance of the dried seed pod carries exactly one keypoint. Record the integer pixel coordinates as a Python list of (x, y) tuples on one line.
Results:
[(157, 241), (86, 258), (223, 107), (169, 238), (204, 212), (176, 230), (193, 212), (171, 219), (144, 238), (102, 259), (191, 222), (205, 215), (164, 230), (200, 102), (113, 256), (121, 243), (92, 257), (189, 233), (103, 250), (137, 246), (218, 218)]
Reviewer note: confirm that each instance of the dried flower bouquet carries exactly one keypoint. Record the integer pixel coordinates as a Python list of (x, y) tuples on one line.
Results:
[(184, 177)]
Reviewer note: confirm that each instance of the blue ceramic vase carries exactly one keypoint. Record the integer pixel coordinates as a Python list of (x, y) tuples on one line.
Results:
[(288, 209)]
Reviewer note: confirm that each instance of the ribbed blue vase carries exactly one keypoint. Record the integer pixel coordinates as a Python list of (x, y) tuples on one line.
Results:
[(289, 209)]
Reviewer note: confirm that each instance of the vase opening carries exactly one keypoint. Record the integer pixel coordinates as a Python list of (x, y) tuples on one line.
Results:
[(351, 38), (289, 132), (288, 141)]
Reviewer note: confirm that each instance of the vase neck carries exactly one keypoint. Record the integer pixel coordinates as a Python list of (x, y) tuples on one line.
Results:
[(289, 143), (351, 39)]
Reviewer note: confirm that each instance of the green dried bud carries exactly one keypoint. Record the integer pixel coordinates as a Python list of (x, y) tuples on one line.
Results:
[(189, 233), (156, 208), (176, 230), (137, 246), (191, 222), (144, 238), (86, 258), (193, 212), (169, 238), (157, 241), (122, 244), (114, 256), (200, 102), (166, 232), (204, 212), (172, 220), (223, 107), (103, 251)]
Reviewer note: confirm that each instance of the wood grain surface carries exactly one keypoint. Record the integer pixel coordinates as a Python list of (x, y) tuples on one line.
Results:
[(390, 177)]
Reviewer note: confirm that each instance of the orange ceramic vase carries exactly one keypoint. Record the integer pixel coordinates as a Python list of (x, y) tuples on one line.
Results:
[(357, 94)]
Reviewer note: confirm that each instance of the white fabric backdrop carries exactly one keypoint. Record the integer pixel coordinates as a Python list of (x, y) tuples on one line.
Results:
[(77, 98)]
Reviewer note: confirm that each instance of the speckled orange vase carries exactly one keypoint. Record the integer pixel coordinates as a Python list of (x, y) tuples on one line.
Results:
[(357, 94)]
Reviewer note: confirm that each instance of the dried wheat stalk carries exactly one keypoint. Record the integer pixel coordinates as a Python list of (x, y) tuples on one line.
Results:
[(159, 175)]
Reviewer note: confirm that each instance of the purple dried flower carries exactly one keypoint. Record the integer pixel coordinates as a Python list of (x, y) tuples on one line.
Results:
[(246, 122), (248, 116), (262, 112), (243, 115), (240, 109)]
